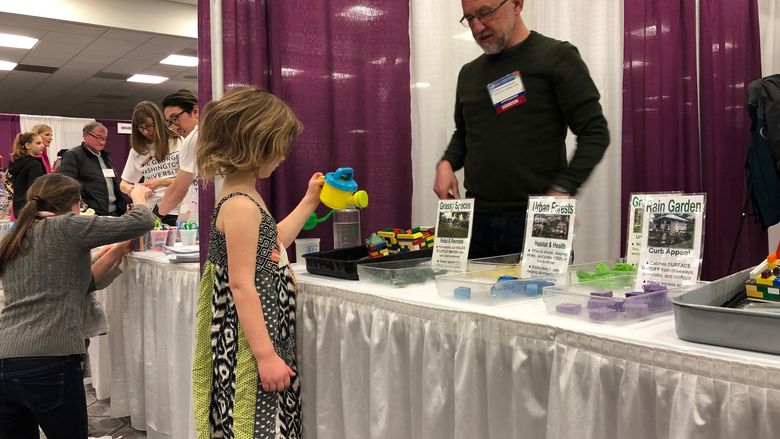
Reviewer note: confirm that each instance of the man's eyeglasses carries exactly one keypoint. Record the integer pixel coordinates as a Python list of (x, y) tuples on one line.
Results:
[(98, 138), (174, 119), (481, 16)]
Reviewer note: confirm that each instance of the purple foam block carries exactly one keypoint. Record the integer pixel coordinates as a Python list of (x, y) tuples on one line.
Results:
[(634, 293), (602, 314), (569, 308), (598, 302), (652, 286), (657, 300), (601, 294), (636, 310)]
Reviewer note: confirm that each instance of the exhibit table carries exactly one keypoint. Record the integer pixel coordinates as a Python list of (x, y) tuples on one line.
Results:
[(144, 362), (384, 362)]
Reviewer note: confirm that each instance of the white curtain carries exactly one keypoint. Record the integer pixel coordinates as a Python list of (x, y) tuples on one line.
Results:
[(440, 46), (67, 131), (769, 23)]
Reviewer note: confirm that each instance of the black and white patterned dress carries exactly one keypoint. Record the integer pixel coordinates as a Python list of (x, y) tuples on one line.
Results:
[(228, 396)]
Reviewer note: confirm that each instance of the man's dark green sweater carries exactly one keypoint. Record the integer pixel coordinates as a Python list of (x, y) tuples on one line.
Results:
[(522, 151)]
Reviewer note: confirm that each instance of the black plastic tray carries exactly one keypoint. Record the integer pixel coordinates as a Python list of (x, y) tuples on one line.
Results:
[(342, 263)]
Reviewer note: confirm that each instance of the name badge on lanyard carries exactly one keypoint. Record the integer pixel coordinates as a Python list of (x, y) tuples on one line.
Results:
[(507, 92)]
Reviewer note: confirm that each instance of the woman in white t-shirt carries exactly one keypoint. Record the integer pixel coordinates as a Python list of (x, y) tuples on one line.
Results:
[(155, 155)]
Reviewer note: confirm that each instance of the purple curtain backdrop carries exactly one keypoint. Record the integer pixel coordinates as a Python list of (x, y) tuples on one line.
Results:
[(9, 128), (660, 120), (205, 190), (730, 60), (343, 66), (118, 145)]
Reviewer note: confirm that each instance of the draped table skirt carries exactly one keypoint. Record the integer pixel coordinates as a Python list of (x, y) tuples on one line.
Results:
[(380, 362), (144, 362)]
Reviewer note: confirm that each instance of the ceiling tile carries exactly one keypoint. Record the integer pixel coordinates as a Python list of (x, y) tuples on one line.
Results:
[(78, 29)]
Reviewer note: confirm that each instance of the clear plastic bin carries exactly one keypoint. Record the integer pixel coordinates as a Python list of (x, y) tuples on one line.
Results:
[(610, 300), (598, 270), (508, 265), (399, 273), (489, 287)]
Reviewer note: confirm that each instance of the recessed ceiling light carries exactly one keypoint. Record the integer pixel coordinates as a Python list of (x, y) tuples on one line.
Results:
[(147, 79), (181, 60), (17, 41), (7, 65)]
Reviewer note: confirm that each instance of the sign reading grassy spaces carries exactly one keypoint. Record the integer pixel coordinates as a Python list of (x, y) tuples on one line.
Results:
[(453, 234)]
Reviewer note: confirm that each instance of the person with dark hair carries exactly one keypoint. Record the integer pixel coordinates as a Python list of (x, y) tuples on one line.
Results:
[(154, 157), (26, 166), (181, 116), (56, 165), (41, 338), (90, 165)]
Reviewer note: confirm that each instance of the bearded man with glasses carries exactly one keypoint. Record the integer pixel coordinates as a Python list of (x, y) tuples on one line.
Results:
[(513, 106), (91, 166)]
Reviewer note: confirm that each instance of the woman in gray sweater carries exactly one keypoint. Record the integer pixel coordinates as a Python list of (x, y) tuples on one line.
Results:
[(46, 271)]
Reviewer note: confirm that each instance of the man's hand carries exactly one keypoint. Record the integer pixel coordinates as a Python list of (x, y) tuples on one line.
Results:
[(446, 184)]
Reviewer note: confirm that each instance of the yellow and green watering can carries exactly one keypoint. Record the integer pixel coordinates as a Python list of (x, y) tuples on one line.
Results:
[(339, 192)]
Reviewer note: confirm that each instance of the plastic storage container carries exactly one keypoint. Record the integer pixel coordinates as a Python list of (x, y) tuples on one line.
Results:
[(489, 287), (617, 304), (343, 263), (346, 228), (704, 315), (600, 271), (399, 273), (508, 265)]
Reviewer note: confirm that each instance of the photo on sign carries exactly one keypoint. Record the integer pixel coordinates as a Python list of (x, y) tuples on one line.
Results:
[(550, 226), (672, 230), (639, 213), (453, 224)]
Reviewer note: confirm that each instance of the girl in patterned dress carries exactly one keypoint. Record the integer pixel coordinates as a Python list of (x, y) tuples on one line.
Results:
[(244, 373)]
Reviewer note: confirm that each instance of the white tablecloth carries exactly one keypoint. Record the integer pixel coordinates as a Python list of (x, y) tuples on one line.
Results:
[(144, 363), (380, 362)]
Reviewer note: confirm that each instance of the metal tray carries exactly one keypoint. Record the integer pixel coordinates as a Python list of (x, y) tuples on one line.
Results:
[(700, 316)]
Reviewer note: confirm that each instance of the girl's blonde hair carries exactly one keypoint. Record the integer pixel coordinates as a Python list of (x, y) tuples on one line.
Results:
[(20, 141), (245, 130), (162, 136)]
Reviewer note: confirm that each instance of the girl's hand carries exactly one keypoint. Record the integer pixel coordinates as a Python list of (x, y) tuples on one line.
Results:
[(274, 373), (140, 194), (121, 249), (316, 182)]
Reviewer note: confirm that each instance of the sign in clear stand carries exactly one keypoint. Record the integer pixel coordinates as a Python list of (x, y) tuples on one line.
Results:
[(453, 234), (672, 237), (549, 233), (636, 210)]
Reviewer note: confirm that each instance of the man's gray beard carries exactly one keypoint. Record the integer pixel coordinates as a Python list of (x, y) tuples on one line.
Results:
[(493, 48)]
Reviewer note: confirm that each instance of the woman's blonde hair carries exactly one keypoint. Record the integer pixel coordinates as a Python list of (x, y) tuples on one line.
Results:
[(41, 128), (20, 141), (162, 136), (245, 130)]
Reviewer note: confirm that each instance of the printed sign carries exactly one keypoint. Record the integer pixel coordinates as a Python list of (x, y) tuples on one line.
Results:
[(549, 232), (453, 234), (672, 231)]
